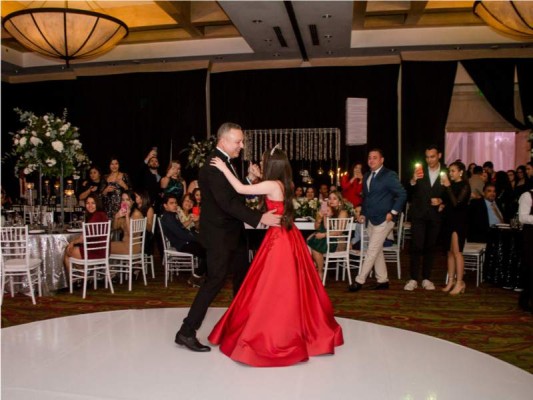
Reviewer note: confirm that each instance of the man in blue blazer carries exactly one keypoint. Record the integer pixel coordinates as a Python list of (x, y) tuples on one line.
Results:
[(383, 199)]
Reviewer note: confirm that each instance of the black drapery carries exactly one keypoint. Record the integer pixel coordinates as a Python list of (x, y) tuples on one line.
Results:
[(121, 115), (495, 79), (524, 70), (427, 89), (311, 98)]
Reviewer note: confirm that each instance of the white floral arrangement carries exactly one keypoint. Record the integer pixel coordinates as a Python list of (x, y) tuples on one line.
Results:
[(199, 151), (304, 207), (48, 144)]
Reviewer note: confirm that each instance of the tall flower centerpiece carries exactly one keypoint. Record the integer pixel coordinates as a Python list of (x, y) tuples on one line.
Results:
[(305, 208), (199, 151), (49, 145)]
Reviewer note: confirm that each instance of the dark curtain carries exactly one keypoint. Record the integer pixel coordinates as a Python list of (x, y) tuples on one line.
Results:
[(121, 115), (524, 70), (495, 79), (427, 89), (311, 98)]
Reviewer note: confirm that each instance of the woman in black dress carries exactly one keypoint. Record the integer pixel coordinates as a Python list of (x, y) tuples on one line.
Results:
[(455, 211)]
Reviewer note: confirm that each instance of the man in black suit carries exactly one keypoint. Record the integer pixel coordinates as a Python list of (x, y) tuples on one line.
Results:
[(221, 232), (482, 214), (383, 199), (149, 178), (425, 213)]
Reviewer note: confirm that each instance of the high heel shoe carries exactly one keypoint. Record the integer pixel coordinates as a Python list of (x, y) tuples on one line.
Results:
[(460, 287), (449, 286)]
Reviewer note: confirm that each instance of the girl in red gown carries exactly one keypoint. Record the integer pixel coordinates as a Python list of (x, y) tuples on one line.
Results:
[(281, 314)]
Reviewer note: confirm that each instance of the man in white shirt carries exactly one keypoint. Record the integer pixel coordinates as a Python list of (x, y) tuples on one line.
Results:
[(525, 215)]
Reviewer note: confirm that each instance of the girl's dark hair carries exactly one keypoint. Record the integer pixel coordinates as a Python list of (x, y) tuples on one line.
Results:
[(461, 167), (502, 182), (145, 204), (97, 168), (276, 167), (350, 171), (97, 201), (189, 195), (193, 194), (131, 195)]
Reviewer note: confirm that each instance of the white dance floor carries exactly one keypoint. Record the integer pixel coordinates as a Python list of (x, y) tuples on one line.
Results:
[(131, 355)]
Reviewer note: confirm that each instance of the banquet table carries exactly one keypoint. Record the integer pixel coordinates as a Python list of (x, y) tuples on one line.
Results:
[(50, 247), (503, 257)]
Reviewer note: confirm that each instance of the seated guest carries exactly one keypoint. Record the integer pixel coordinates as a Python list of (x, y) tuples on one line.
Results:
[(477, 183), (505, 196), (317, 241), (323, 192), (197, 200), (352, 184), (298, 192), (185, 214), (482, 214), (143, 205), (94, 185), (180, 238), (310, 193), (121, 221), (94, 212)]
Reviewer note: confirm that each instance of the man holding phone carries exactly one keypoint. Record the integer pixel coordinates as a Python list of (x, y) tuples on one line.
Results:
[(150, 177)]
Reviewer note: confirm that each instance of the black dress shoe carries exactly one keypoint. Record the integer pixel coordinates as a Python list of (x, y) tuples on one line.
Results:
[(381, 286), (191, 343), (355, 287)]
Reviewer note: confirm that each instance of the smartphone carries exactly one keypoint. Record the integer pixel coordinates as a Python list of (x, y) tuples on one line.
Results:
[(324, 207), (196, 210), (124, 207)]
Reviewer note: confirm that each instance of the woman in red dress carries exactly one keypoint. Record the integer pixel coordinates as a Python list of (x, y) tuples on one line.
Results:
[(94, 212), (352, 185), (282, 313)]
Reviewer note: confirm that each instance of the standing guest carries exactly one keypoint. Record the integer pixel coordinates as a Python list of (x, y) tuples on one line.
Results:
[(150, 177), (94, 185), (482, 214), (182, 239), (488, 167), (254, 330), (352, 184), (298, 192), (505, 196), (172, 182), (470, 170), (511, 175), (521, 181), (426, 218), (93, 213), (456, 214), (6, 201), (188, 219), (383, 199), (317, 241), (310, 193), (222, 232), (525, 215), (529, 175), (121, 221), (117, 182), (477, 183)]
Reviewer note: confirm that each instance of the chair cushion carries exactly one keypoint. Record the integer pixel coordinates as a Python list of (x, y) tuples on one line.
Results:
[(19, 264)]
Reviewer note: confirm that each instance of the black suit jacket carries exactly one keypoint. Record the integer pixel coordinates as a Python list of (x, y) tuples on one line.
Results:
[(422, 193), (478, 221), (223, 209), (175, 232)]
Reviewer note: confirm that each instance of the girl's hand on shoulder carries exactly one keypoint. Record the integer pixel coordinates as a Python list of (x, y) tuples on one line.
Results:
[(218, 163)]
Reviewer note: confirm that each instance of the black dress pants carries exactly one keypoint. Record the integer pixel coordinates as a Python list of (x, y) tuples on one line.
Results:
[(526, 297), (424, 235), (220, 261)]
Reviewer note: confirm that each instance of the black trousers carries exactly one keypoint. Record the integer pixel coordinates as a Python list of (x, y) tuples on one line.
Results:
[(198, 250), (424, 235), (220, 261)]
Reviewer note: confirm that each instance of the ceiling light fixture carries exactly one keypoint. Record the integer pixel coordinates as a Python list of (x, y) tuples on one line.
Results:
[(326, 16), (514, 18), (65, 33), (257, 21)]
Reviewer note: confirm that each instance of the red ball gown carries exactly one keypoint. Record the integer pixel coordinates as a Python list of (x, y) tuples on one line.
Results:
[(282, 313)]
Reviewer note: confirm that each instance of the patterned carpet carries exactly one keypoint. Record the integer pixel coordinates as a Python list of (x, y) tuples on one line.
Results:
[(486, 319)]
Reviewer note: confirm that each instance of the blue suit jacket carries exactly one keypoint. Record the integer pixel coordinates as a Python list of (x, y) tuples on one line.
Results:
[(386, 194)]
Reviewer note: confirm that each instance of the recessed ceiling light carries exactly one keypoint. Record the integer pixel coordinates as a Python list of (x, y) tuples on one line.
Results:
[(268, 40), (328, 36), (457, 47), (277, 55), (392, 50), (257, 21), (327, 16), (219, 58), (329, 52)]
